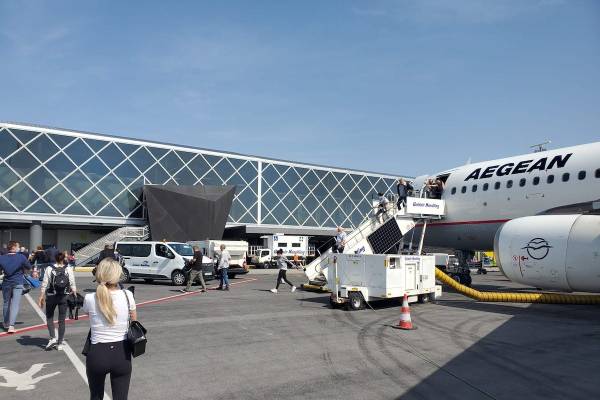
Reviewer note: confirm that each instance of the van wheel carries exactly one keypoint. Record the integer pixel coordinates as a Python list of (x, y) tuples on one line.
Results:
[(125, 277), (178, 278), (424, 298), (355, 301)]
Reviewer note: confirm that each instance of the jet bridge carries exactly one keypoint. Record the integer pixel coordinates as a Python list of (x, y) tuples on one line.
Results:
[(381, 234)]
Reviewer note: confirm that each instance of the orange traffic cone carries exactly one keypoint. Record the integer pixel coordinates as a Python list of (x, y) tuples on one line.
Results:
[(405, 322)]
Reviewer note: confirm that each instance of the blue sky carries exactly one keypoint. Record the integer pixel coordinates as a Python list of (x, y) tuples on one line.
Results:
[(405, 87)]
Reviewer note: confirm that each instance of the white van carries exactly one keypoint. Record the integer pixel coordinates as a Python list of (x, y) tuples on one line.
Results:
[(156, 260)]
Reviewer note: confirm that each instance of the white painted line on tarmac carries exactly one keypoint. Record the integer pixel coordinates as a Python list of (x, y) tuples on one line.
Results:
[(66, 348)]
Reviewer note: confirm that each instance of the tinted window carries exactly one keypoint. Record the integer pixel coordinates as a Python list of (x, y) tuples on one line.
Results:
[(550, 179), (486, 186), (474, 188), (509, 184), (522, 182), (264, 253), (536, 180), (581, 175), (565, 177), (598, 173), (182, 249), (134, 250), (497, 185), (295, 244), (162, 250), (453, 191), (282, 245), (463, 189)]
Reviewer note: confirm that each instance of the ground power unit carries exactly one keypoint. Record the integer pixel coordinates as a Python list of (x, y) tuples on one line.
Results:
[(359, 278)]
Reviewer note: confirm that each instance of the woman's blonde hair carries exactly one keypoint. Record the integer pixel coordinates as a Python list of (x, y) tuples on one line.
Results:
[(108, 273)]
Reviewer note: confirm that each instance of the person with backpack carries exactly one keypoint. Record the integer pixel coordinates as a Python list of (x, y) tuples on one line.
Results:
[(14, 265), (59, 281)]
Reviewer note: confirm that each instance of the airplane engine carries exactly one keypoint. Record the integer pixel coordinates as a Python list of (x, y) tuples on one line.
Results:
[(551, 251)]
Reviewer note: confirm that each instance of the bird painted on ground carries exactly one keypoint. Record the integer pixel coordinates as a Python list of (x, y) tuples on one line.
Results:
[(24, 381)]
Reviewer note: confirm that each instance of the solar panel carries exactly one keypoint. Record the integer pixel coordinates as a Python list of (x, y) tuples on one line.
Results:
[(385, 238)]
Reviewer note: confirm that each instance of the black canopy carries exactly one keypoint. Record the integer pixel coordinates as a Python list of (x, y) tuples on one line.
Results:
[(183, 213)]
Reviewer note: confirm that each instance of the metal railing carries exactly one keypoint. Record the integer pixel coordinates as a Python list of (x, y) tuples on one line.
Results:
[(90, 251)]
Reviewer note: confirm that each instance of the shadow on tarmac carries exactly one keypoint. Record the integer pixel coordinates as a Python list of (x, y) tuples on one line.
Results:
[(542, 352), (32, 341)]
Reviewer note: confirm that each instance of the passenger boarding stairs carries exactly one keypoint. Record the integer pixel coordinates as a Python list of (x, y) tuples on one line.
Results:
[(375, 235), (88, 253)]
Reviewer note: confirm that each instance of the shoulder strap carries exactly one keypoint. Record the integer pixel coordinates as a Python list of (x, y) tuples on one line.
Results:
[(128, 307)]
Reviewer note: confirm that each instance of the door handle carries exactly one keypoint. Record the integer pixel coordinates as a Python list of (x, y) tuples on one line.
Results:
[(155, 262)]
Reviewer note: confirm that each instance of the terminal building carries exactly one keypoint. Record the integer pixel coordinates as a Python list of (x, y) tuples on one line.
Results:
[(70, 188)]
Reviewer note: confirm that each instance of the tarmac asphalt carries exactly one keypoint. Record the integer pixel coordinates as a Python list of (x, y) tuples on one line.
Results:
[(249, 343)]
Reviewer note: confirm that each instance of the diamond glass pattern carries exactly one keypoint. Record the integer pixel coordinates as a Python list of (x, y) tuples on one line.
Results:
[(78, 152), (9, 144), (7, 178), (22, 162), (21, 196), (43, 148), (41, 180), (110, 183), (59, 197), (111, 155), (60, 166)]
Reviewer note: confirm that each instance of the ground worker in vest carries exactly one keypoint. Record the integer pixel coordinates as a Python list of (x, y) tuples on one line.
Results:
[(59, 281)]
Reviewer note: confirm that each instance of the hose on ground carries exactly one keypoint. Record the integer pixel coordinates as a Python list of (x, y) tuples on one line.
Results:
[(512, 297)]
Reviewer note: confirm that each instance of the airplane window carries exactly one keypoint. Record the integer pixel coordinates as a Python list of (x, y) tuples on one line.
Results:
[(550, 179), (453, 191), (522, 182), (536, 180), (598, 173), (486, 186), (565, 177), (474, 188), (581, 175), (509, 184), (497, 185), (463, 189)]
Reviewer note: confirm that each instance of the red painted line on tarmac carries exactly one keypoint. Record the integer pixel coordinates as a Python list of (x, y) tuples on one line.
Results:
[(143, 303)]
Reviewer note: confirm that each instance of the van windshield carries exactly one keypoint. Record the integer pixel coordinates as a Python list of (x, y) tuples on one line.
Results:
[(182, 249)]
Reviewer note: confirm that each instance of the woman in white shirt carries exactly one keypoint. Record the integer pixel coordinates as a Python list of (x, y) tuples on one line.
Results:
[(109, 310), (58, 282)]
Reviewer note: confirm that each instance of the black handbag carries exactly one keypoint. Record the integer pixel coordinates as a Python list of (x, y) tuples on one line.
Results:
[(136, 333)]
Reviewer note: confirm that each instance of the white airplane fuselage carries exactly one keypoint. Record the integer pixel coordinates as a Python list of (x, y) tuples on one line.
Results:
[(481, 197)]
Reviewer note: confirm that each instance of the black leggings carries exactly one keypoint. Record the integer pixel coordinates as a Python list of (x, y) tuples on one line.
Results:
[(104, 358), (282, 275), (52, 301)]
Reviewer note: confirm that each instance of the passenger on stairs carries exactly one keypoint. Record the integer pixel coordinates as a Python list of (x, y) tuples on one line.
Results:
[(340, 240), (403, 188), (381, 206)]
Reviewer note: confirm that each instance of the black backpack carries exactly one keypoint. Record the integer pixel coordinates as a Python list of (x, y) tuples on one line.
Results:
[(60, 281)]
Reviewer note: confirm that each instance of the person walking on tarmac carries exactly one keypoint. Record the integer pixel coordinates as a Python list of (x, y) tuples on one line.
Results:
[(196, 272), (14, 265), (282, 264), (59, 280), (223, 258)]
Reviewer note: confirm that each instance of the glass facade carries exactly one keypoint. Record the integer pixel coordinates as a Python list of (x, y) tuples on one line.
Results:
[(62, 173)]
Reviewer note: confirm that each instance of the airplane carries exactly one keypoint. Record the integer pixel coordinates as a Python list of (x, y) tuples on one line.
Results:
[(543, 203)]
